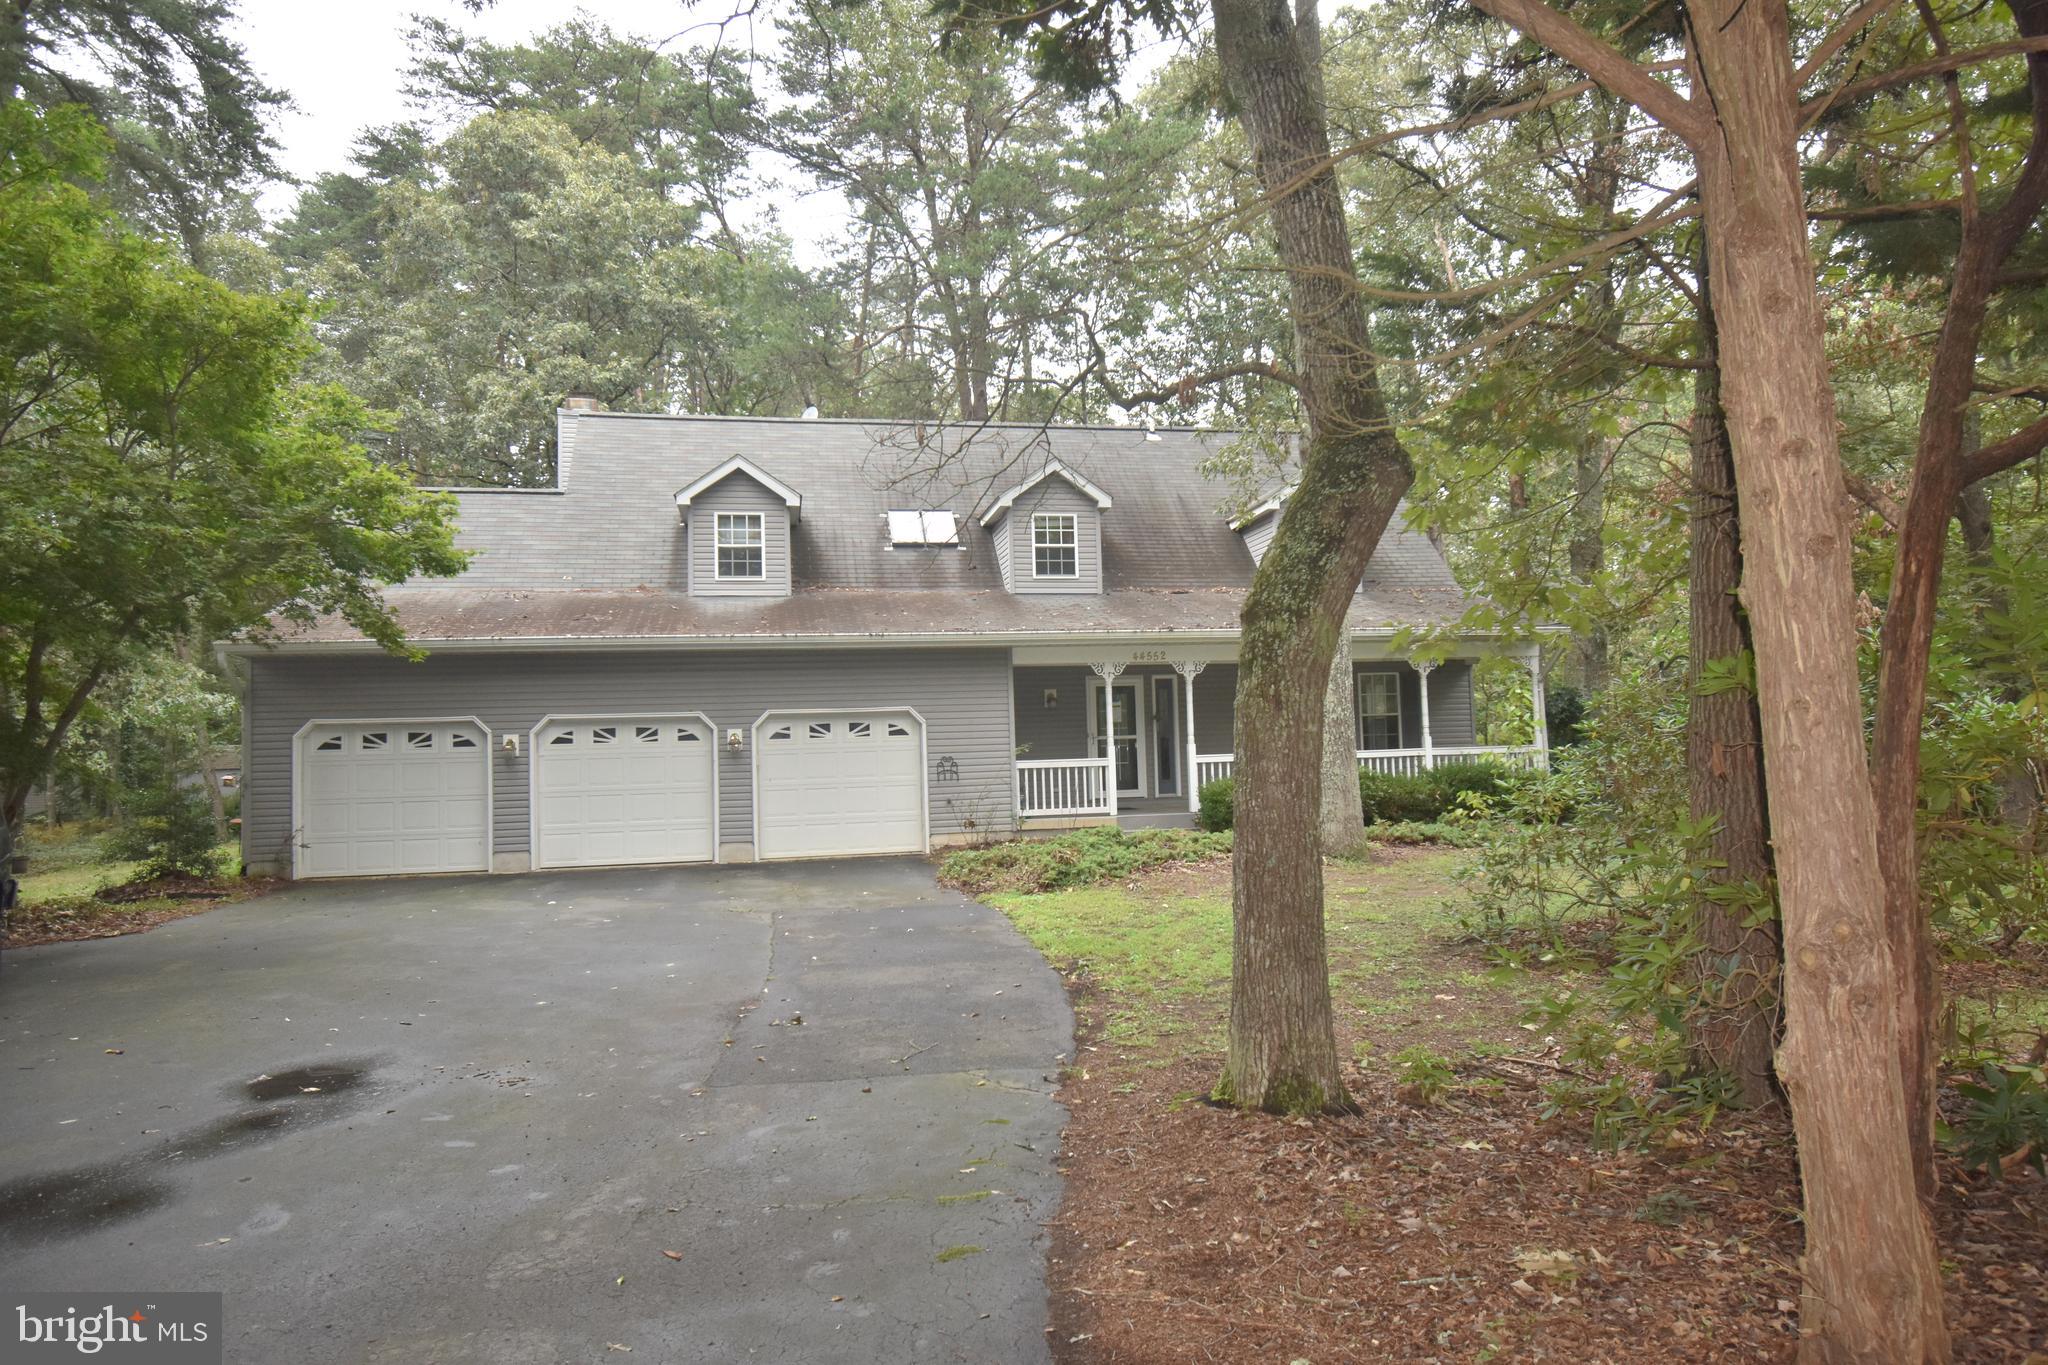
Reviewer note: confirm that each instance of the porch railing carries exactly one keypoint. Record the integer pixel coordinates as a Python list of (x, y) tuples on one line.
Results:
[(1209, 767), (1063, 786), (1410, 761)]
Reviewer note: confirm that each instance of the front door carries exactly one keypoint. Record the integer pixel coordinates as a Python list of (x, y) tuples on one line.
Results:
[(1115, 732)]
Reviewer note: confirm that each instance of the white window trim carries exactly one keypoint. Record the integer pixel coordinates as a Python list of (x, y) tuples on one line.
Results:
[(1073, 525), (760, 521), (1400, 711)]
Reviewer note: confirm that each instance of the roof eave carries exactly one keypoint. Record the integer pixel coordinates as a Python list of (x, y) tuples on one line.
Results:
[(1053, 468), (740, 464)]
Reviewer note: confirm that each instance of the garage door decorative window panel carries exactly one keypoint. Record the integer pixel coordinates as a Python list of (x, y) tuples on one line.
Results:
[(830, 784), (623, 790), (381, 798)]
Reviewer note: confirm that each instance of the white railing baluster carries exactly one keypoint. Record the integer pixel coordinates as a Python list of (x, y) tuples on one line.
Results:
[(1062, 786), (1407, 762)]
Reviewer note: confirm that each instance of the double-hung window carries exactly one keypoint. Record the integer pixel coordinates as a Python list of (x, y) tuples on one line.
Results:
[(1379, 710), (741, 553), (1055, 546)]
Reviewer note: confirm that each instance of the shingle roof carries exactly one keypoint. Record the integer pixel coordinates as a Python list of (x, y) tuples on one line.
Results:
[(602, 556), (453, 614)]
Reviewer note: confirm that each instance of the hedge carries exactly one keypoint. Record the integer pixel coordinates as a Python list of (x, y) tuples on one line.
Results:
[(1387, 798)]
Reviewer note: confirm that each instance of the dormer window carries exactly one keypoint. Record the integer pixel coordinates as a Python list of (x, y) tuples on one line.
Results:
[(1055, 545), (741, 545)]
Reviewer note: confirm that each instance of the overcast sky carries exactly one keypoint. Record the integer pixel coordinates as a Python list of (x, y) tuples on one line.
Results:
[(343, 64)]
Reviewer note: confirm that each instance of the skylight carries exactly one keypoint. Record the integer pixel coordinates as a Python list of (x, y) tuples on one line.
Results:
[(923, 528)]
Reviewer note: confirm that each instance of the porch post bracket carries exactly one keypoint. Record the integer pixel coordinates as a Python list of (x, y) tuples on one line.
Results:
[(1108, 671), (1190, 669)]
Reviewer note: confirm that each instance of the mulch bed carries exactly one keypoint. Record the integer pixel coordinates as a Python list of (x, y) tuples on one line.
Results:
[(1472, 1229), (132, 908)]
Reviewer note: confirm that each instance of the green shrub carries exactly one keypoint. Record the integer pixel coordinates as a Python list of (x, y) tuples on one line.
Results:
[(1388, 797), (1219, 805), (1099, 853), (1391, 798), (1429, 1075), (169, 830), (1453, 782), (2007, 1114)]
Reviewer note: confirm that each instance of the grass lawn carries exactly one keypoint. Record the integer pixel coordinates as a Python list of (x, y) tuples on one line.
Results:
[(1452, 1219), (68, 871)]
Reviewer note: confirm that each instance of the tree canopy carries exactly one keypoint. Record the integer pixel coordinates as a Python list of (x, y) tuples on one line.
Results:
[(164, 470)]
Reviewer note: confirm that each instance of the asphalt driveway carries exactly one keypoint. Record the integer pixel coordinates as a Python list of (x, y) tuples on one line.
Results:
[(451, 1120)]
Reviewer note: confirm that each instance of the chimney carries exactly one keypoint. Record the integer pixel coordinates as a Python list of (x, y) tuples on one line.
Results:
[(583, 402)]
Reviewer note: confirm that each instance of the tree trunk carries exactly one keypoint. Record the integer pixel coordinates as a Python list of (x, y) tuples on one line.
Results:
[(1873, 1285), (1940, 474), (1737, 1029), (1587, 554), (1343, 813), (1283, 1053)]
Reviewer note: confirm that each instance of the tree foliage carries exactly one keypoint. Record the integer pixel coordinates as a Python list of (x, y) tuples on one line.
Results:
[(186, 114), (164, 474)]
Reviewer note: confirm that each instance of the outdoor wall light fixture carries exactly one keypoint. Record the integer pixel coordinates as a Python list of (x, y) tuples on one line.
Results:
[(733, 740), (1052, 698), (510, 744)]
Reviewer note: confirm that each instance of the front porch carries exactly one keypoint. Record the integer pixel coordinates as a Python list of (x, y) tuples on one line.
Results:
[(1116, 738)]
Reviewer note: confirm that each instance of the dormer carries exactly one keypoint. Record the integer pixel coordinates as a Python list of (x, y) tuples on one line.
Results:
[(1258, 525), (737, 524), (1046, 533)]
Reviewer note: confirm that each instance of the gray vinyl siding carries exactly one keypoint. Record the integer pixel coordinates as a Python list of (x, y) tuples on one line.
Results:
[(1216, 709), (1259, 535), (1063, 731), (1055, 495), (1450, 703), (999, 550), (738, 493), (961, 695)]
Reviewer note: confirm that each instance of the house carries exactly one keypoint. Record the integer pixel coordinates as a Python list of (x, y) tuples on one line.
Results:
[(726, 639)]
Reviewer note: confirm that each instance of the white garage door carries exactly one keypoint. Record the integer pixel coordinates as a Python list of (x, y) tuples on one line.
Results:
[(392, 797), (630, 789), (840, 783)]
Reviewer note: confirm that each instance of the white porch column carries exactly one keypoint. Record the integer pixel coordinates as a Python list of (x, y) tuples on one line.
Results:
[(1108, 672), (1423, 670), (1541, 717), (1189, 670)]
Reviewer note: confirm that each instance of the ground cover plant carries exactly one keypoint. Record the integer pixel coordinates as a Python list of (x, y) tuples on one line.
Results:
[(79, 886), (1463, 1213), (1078, 857)]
